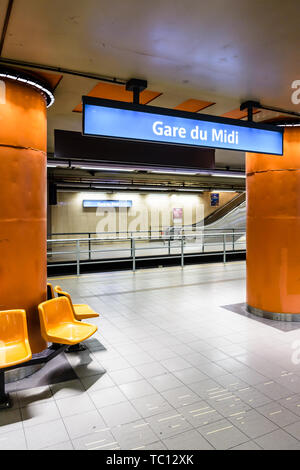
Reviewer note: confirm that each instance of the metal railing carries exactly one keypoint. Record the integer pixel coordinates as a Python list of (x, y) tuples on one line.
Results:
[(175, 246)]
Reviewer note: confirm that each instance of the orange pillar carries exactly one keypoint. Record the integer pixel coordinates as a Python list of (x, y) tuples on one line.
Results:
[(273, 231), (23, 264)]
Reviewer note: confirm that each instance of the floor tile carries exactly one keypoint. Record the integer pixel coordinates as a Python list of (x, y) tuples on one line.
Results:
[(278, 414), (290, 381), (93, 368), (277, 440), (35, 395), (189, 440), (228, 404), (253, 424), (180, 396), (151, 405), (175, 364), (200, 414), (139, 359), (125, 376), (121, 413), (46, 434), (159, 445), (75, 405), (107, 397), (102, 440), (190, 375), (223, 435), (252, 397), (13, 440), (134, 436), (212, 370), (207, 388), (84, 423), (273, 390), (62, 446), (247, 446), (10, 420), (164, 382), (67, 389), (292, 403), (151, 369), (137, 389), (39, 413), (169, 424), (294, 430), (97, 382)]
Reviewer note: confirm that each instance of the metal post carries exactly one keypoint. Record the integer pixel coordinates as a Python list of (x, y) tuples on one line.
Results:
[(182, 253), (4, 398), (169, 246), (2, 386), (133, 253), (233, 247), (78, 256), (224, 248), (90, 246)]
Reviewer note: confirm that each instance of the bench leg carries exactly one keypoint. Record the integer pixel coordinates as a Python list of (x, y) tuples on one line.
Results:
[(76, 348), (5, 401)]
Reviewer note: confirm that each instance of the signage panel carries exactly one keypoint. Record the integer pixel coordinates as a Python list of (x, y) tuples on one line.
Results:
[(214, 199), (106, 203), (178, 215), (114, 119)]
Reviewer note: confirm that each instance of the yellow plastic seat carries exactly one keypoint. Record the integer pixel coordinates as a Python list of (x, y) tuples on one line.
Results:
[(50, 291), (80, 311), (14, 344), (58, 324)]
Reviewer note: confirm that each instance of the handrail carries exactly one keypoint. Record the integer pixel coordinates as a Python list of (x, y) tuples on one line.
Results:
[(180, 240), (168, 237), (182, 228)]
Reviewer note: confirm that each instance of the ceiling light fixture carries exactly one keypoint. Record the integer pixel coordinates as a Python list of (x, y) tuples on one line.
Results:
[(225, 191), (229, 175), (167, 172), (103, 168), (152, 189)]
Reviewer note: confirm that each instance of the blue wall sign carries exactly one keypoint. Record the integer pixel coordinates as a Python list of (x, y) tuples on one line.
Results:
[(214, 199), (106, 203), (115, 119)]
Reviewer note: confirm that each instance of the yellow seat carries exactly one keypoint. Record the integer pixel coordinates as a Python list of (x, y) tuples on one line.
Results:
[(58, 324), (50, 291), (14, 344), (80, 311)]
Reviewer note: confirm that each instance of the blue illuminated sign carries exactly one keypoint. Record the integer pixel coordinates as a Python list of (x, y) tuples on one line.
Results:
[(106, 203), (120, 120)]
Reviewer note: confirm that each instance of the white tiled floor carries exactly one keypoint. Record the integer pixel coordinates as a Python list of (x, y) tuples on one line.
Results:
[(168, 369)]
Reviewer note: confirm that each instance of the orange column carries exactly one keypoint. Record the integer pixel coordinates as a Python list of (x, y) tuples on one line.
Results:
[(23, 265), (273, 231)]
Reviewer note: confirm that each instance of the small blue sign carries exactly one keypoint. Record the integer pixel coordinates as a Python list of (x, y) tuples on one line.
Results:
[(106, 203), (115, 119), (214, 199)]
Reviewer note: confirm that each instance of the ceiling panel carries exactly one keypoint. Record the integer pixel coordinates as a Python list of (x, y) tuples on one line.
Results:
[(111, 91), (52, 78), (193, 105)]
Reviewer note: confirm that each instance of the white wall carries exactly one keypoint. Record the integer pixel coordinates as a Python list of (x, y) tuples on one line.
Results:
[(148, 212)]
